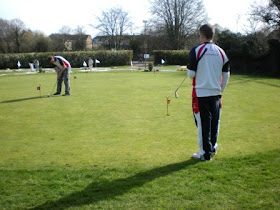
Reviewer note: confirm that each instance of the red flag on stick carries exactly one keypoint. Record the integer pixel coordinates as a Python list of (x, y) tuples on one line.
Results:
[(167, 102), (39, 88)]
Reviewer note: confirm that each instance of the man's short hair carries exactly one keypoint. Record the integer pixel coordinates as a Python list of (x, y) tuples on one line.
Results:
[(50, 57), (207, 30)]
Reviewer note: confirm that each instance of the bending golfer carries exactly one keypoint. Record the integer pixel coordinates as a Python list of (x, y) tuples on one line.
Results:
[(209, 67), (62, 67)]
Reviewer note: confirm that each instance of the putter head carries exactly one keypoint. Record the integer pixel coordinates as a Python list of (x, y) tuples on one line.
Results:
[(176, 94)]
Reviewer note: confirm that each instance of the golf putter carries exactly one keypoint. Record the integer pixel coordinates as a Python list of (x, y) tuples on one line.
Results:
[(53, 89), (176, 93)]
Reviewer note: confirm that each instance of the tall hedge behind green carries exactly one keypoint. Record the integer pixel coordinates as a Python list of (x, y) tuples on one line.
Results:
[(171, 57), (106, 58)]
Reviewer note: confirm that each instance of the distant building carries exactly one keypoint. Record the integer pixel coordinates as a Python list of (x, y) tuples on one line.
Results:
[(107, 42), (100, 41), (88, 43), (78, 42), (72, 42), (68, 45)]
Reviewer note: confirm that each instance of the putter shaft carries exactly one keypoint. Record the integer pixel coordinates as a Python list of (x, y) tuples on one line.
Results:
[(176, 94), (54, 87)]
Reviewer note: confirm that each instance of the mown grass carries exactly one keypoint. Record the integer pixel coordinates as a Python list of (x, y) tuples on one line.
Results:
[(110, 144)]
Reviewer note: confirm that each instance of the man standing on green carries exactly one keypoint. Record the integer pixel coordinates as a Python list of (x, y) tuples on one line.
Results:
[(208, 66), (62, 67)]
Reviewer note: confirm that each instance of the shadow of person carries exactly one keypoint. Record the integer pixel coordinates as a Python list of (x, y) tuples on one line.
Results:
[(22, 99), (107, 190)]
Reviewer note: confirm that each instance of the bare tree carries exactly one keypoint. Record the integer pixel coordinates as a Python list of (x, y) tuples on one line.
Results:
[(79, 38), (179, 18), (65, 32), (10, 35), (17, 29), (114, 23), (268, 14), (272, 16), (59, 39), (4, 36)]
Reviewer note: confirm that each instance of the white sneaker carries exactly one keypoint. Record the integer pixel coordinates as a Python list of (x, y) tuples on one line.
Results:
[(197, 156)]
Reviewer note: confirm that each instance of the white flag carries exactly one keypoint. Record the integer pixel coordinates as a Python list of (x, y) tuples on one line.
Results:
[(18, 64), (97, 61), (84, 64), (162, 61)]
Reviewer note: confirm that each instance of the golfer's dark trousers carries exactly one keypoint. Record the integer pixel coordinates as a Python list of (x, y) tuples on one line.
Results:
[(64, 77), (209, 108)]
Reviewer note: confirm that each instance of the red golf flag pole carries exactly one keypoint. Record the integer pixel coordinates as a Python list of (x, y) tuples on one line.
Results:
[(39, 88), (167, 103)]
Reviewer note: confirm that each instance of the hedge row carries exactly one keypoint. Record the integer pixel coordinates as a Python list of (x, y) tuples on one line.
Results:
[(171, 57), (106, 58)]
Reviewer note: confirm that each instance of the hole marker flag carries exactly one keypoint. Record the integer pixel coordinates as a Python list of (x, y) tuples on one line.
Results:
[(162, 61), (85, 64), (97, 61), (167, 102), (39, 88)]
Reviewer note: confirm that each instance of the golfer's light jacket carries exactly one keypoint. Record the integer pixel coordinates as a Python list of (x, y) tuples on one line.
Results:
[(60, 62), (210, 75)]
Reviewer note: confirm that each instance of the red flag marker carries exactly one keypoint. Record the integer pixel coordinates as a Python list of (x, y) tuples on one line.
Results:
[(39, 88), (167, 103)]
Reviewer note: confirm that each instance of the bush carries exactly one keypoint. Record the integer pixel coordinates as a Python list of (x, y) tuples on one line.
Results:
[(107, 58), (171, 57), (151, 66)]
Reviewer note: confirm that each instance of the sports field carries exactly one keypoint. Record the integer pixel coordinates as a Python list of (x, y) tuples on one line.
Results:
[(111, 145)]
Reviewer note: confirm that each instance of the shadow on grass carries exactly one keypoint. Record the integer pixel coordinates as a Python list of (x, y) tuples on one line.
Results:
[(253, 79), (96, 191), (23, 99), (266, 83)]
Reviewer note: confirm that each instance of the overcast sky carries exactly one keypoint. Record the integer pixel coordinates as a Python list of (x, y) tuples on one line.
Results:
[(49, 16)]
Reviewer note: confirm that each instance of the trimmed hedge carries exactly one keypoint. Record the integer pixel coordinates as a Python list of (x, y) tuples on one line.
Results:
[(106, 58), (171, 57)]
